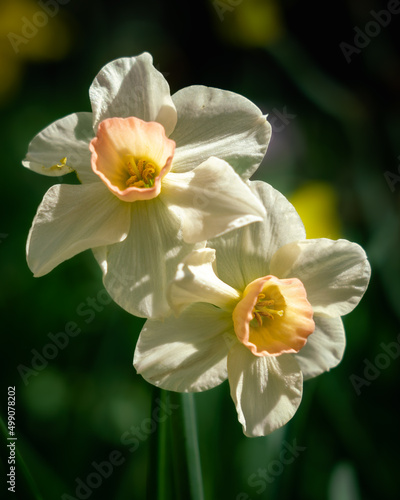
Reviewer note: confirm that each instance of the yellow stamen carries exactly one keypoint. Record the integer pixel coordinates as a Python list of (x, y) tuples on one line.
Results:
[(140, 165), (263, 309), (142, 173), (131, 165), (60, 165)]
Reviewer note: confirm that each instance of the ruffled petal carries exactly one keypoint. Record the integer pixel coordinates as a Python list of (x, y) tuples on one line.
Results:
[(195, 281), (186, 354), (214, 122), (138, 270), (210, 200), (251, 247), (63, 147), (131, 86), (273, 317), (324, 349), (266, 390), (71, 219), (131, 157), (335, 274)]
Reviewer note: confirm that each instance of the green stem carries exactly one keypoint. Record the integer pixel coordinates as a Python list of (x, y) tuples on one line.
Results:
[(192, 447), (162, 453), (158, 489)]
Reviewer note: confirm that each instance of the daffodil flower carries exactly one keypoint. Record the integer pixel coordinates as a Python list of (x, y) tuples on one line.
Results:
[(260, 307), (158, 175)]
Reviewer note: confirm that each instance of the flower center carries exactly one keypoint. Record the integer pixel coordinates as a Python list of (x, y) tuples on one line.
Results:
[(274, 316), (265, 308), (141, 173), (131, 157)]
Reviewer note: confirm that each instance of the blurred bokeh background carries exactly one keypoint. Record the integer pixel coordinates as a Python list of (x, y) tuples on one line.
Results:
[(329, 77)]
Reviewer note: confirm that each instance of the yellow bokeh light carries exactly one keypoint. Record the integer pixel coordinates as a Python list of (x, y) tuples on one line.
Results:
[(249, 23), (316, 203), (27, 31)]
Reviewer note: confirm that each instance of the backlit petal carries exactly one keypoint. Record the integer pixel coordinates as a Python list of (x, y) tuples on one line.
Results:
[(188, 353), (251, 247), (138, 270), (210, 200), (324, 349), (63, 147), (214, 122), (71, 219), (266, 390), (131, 86), (335, 274), (195, 281)]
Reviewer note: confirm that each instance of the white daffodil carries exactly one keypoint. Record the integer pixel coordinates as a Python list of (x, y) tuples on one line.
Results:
[(271, 318), (159, 174)]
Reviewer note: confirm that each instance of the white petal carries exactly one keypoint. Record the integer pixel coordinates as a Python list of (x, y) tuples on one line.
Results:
[(100, 254), (252, 246), (67, 138), (335, 274), (131, 86), (140, 268), (324, 349), (71, 219), (188, 353), (195, 281), (266, 390), (214, 122), (210, 200)]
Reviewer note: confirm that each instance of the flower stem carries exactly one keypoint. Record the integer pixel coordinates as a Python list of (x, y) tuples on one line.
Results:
[(174, 465), (159, 488), (192, 447), (162, 454)]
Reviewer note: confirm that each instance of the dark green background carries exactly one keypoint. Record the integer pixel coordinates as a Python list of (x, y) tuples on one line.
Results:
[(344, 131)]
